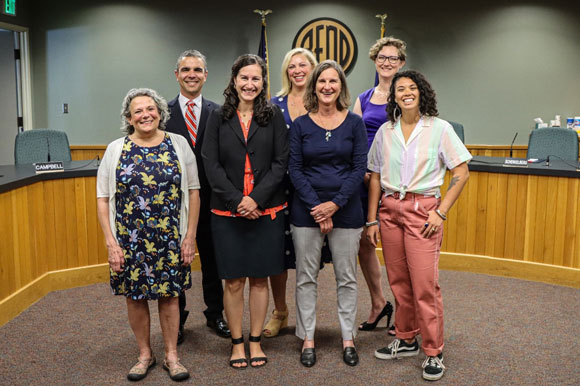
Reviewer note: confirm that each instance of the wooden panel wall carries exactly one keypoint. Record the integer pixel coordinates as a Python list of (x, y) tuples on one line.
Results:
[(518, 217), (519, 151), (87, 152), (82, 152), (48, 226)]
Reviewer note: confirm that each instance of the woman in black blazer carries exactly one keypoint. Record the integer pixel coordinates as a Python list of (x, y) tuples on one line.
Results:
[(245, 155)]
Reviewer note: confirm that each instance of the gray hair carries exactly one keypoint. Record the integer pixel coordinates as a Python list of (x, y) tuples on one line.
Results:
[(191, 54), (161, 104)]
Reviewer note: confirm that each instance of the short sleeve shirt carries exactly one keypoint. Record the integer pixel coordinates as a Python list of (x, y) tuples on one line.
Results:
[(419, 165)]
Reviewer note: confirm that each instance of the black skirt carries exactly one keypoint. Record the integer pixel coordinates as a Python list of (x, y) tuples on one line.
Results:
[(248, 248)]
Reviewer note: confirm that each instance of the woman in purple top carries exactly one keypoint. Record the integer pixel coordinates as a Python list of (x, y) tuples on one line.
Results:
[(389, 56), (328, 149)]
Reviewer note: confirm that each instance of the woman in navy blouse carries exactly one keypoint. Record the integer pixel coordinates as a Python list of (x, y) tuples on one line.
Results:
[(328, 153)]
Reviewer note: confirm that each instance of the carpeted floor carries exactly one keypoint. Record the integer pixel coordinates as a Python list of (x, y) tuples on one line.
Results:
[(498, 331)]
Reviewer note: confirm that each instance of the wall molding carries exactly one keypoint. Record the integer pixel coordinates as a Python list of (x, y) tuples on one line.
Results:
[(19, 301), (516, 269)]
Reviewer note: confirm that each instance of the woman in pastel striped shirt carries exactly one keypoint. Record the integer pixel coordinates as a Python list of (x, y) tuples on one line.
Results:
[(408, 159)]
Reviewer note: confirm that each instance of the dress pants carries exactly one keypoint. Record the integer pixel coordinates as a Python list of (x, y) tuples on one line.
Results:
[(413, 268), (344, 244), (213, 292)]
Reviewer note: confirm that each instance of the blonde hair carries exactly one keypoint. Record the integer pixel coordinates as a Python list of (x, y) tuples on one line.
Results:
[(400, 45), (286, 84)]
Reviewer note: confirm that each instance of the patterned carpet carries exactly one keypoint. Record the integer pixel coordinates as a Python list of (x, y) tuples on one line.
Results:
[(498, 331)]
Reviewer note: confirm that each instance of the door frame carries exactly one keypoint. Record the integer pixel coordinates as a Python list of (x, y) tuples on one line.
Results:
[(25, 79)]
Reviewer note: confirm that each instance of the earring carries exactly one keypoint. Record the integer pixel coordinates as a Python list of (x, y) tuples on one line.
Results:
[(396, 111)]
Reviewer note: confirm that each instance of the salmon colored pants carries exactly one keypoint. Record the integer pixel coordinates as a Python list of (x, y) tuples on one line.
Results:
[(412, 268)]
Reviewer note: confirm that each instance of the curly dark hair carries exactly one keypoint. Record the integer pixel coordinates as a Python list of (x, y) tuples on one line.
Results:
[(263, 110), (427, 101)]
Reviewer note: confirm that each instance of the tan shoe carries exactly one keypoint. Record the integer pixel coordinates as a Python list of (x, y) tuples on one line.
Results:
[(278, 321), (141, 368), (177, 372)]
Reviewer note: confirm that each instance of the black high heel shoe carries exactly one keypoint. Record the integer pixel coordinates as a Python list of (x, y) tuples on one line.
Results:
[(387, 311)]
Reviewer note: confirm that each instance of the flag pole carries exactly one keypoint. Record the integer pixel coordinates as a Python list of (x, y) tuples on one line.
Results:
[(263, 49), (383, 17)]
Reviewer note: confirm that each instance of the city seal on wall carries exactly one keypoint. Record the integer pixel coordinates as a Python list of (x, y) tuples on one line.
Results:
[(328, 38)]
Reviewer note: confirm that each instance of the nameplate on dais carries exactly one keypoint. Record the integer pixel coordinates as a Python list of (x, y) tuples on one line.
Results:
[(48, 167), (515, 162)]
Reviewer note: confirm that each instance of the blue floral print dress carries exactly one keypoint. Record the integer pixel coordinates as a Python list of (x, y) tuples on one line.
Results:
[(148, 200)]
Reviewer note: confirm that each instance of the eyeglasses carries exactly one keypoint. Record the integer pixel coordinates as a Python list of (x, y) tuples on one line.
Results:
[(392, 59)]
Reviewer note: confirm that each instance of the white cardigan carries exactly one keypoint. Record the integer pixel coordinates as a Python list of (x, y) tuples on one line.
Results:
[(106, 177)]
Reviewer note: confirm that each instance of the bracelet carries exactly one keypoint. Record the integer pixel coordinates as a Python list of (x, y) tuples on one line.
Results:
[(370, 224), (441, 214)]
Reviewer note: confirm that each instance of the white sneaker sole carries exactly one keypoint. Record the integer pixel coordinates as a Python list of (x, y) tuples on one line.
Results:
[(433, 377), (400, 354)]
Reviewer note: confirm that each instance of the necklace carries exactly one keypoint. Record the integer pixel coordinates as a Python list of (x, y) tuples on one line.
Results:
[(295, 106), (385, 94), (327, 135), (328, 123), (292, 100)]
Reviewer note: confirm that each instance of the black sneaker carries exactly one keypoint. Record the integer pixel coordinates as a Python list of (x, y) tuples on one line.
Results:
[(433, 368), (398, 349)]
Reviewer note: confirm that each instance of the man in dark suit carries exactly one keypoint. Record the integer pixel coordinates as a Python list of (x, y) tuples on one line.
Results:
[(189, 114)]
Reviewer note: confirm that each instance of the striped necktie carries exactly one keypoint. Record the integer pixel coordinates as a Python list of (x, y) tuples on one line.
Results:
[(191, 122)]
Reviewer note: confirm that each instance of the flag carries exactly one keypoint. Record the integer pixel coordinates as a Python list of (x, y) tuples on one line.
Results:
[(263, 53), (382, 36)]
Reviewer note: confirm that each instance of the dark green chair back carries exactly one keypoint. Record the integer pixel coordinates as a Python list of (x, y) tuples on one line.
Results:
[(41, 145)]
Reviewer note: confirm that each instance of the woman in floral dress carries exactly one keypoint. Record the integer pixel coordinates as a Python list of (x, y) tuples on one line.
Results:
[(148, 207)]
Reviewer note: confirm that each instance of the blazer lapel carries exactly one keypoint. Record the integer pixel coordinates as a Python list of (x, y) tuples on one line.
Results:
[(237, 128), (177, 116), (254, 127), (203, 118)]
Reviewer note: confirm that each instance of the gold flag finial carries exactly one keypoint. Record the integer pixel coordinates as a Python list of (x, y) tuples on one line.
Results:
[(263, 13), (383, 17)]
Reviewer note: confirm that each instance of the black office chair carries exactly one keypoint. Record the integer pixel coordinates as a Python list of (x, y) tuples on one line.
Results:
[(553, 141), (41, 145), (458, 127)]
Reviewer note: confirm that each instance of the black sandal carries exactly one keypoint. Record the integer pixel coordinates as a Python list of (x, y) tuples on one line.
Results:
[(253, 361), (241, 360)]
